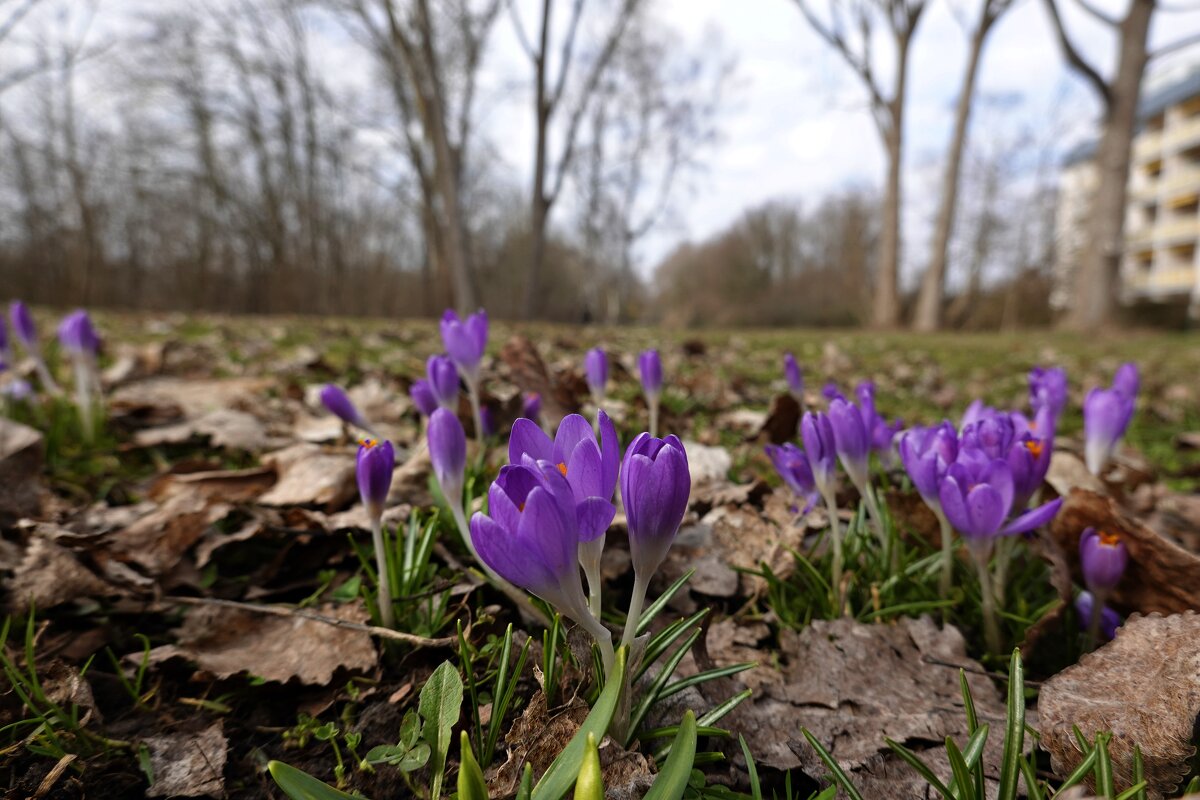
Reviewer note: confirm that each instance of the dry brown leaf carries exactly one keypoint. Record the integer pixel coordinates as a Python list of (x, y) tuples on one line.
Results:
[(559, 396), (1144, 687), (157, 541), (1161, 576), (782, 421), (227, 642), (310, 475), (50, 575), (21, 450), (224, 428), (188, 763), (178, 397)]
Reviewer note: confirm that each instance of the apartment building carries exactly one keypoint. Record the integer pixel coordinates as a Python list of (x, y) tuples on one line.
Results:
[(1161, 264)]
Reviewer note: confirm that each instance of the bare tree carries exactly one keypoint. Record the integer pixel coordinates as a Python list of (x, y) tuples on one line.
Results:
[(852, 38), (551, 92), (1098, 274), (928, 316)]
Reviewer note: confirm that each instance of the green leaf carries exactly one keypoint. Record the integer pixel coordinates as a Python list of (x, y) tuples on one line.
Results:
[(1014, 734), (661, 601), (1032, 787), (1080, 772), (920, 766), (471, 785), (752, 770), (1104, 775), (525, 790), (673, 777), (589, 783), (1138, 788), (968, 702), (835, 770), (299, 785), (560, 775), (440, 706), (963, 779), (1139, 772)]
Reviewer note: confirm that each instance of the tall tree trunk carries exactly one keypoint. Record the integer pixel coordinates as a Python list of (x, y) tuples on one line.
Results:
[(885, 311), (541, 203), (1098, 275), (928, 315)]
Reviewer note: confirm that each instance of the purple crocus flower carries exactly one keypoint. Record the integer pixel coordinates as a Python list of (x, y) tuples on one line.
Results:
[(1106, 416), (589, 465), (792, 465), (1029, 459), (423, 397), (794, 376), (3, 338), (975, 412), (18, 390), (1048, 390), (531, 406), (78, 336), (465, 341), (977, 497), (830, 391), (595, 367), (448, 452), (852, 439), (530, 536), (655, 485), (376, 461), (650, 368), (926, 454), (443, 381), (821, 448), (1127, 381), (23, 327), (992, 434), (338, 403), (1102, 559), (1110, 620), (486, 422)]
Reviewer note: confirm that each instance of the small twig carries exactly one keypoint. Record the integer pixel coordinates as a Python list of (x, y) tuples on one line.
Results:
[(1000, 676), (287, 611), (54, 774)]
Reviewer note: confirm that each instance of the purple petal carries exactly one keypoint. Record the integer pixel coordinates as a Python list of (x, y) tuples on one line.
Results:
[(1033, 518), (528, 437), (595, 514)]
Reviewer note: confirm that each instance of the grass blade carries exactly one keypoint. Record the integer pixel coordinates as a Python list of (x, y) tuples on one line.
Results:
[(1014, 734), (673, 778), (836, 772)]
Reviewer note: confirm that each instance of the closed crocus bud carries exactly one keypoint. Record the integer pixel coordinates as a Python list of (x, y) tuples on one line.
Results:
[(793, 375), (1102, 559), (22, 322), (1085, 608), (423, 397), (338, 403), (595, 367), (830, 391), (465, 341), (3, 338), (443, 381), (926, 454), (819, 445), (655, 485), (531, 406), (1048, 389), (78, 336), (376, 461), (851, 439), (448, 452), (1106, 416), (992, 433), (650, 368), (792, 465), (977, 498), (1126, 380)]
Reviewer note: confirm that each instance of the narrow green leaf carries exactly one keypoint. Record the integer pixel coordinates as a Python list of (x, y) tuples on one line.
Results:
[(968, 702), (471, 785), (963, 779), (560, 775), (973, 755), (673, 777), (705, 677), (1138, 788), (1014, 734), (752, 769), (299, 785), (1080, 772), (921, 767), (1103, 771), (440, 705), (525, 790), (836, 772), (1139, 772), (652, 610), (1033, 788), (589, 784)]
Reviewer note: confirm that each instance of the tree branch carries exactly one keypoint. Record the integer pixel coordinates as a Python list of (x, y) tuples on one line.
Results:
[(1073, 57), (1096, 14)]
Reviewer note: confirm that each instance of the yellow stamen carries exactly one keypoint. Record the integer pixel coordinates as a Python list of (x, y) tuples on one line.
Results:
[(1034, 446), (368, 443), (1109, 538)]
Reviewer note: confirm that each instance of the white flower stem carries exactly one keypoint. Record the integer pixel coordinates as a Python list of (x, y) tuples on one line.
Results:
[(476, 411), (590, 554), (652, 402), (991, 628), (602, 636), (387, 614), (636, 602), (1093, 629), (947, 576), (83, 398), (43, 372), (835, 534)]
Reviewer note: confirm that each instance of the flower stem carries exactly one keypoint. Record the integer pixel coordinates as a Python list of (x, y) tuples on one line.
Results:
[(601, 635), (83, 398), (636, 602), (991, 628), (590, 554), (476, 413), (835, 533), (1093, 629), (387, 614), (947, 576), (653, 404), (43, 373)]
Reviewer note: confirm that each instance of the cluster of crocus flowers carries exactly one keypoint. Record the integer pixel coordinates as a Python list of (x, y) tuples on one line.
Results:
[(1103, 558), (651, 372), (554, 500), (79, 340), (1106, 416), (465, 342), (25, 332)]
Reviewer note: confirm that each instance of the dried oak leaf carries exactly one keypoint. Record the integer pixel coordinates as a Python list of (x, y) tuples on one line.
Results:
[(782, 420), (1161, 577), (162, 399), (21, 450), (224, 428), (1144, 686), (529, 373), (50, 575), (226, 642), (310, 475), (158, 541), (188, 763)]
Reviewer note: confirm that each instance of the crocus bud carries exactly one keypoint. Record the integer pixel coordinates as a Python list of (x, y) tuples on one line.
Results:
[(595, 367), (655, 485), (18, 390), (817, 434), (77, 335), (851, 439), (1110, 620), (338, 403), (1106, 416), (465, 341), (486, 421), (1048, 389), (830, 391), (793, 375), (650, 367), (977, 495), (3, 337), (443, 381), (1102, 559), (448, 452), (423, 397), (926, 454), (376, 461), (1126, 380), (793, 467), (22, 322), (531, 406)]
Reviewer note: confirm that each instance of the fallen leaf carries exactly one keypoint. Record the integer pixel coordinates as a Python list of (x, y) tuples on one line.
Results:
[(559, 397), (310, 475), (188, 764), (49, 575), (783, 420), (224, 428), (21, 453), (1144, 687)]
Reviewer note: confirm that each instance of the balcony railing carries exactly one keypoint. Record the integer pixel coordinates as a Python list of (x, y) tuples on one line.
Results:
[(1182, 134), (1164, 233), (1163, 281), (1147, 146)]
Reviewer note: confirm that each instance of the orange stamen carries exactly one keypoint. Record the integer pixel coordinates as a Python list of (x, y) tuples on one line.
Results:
[(1110, 538), (562, 468), (1034, 446), (368, 443)]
